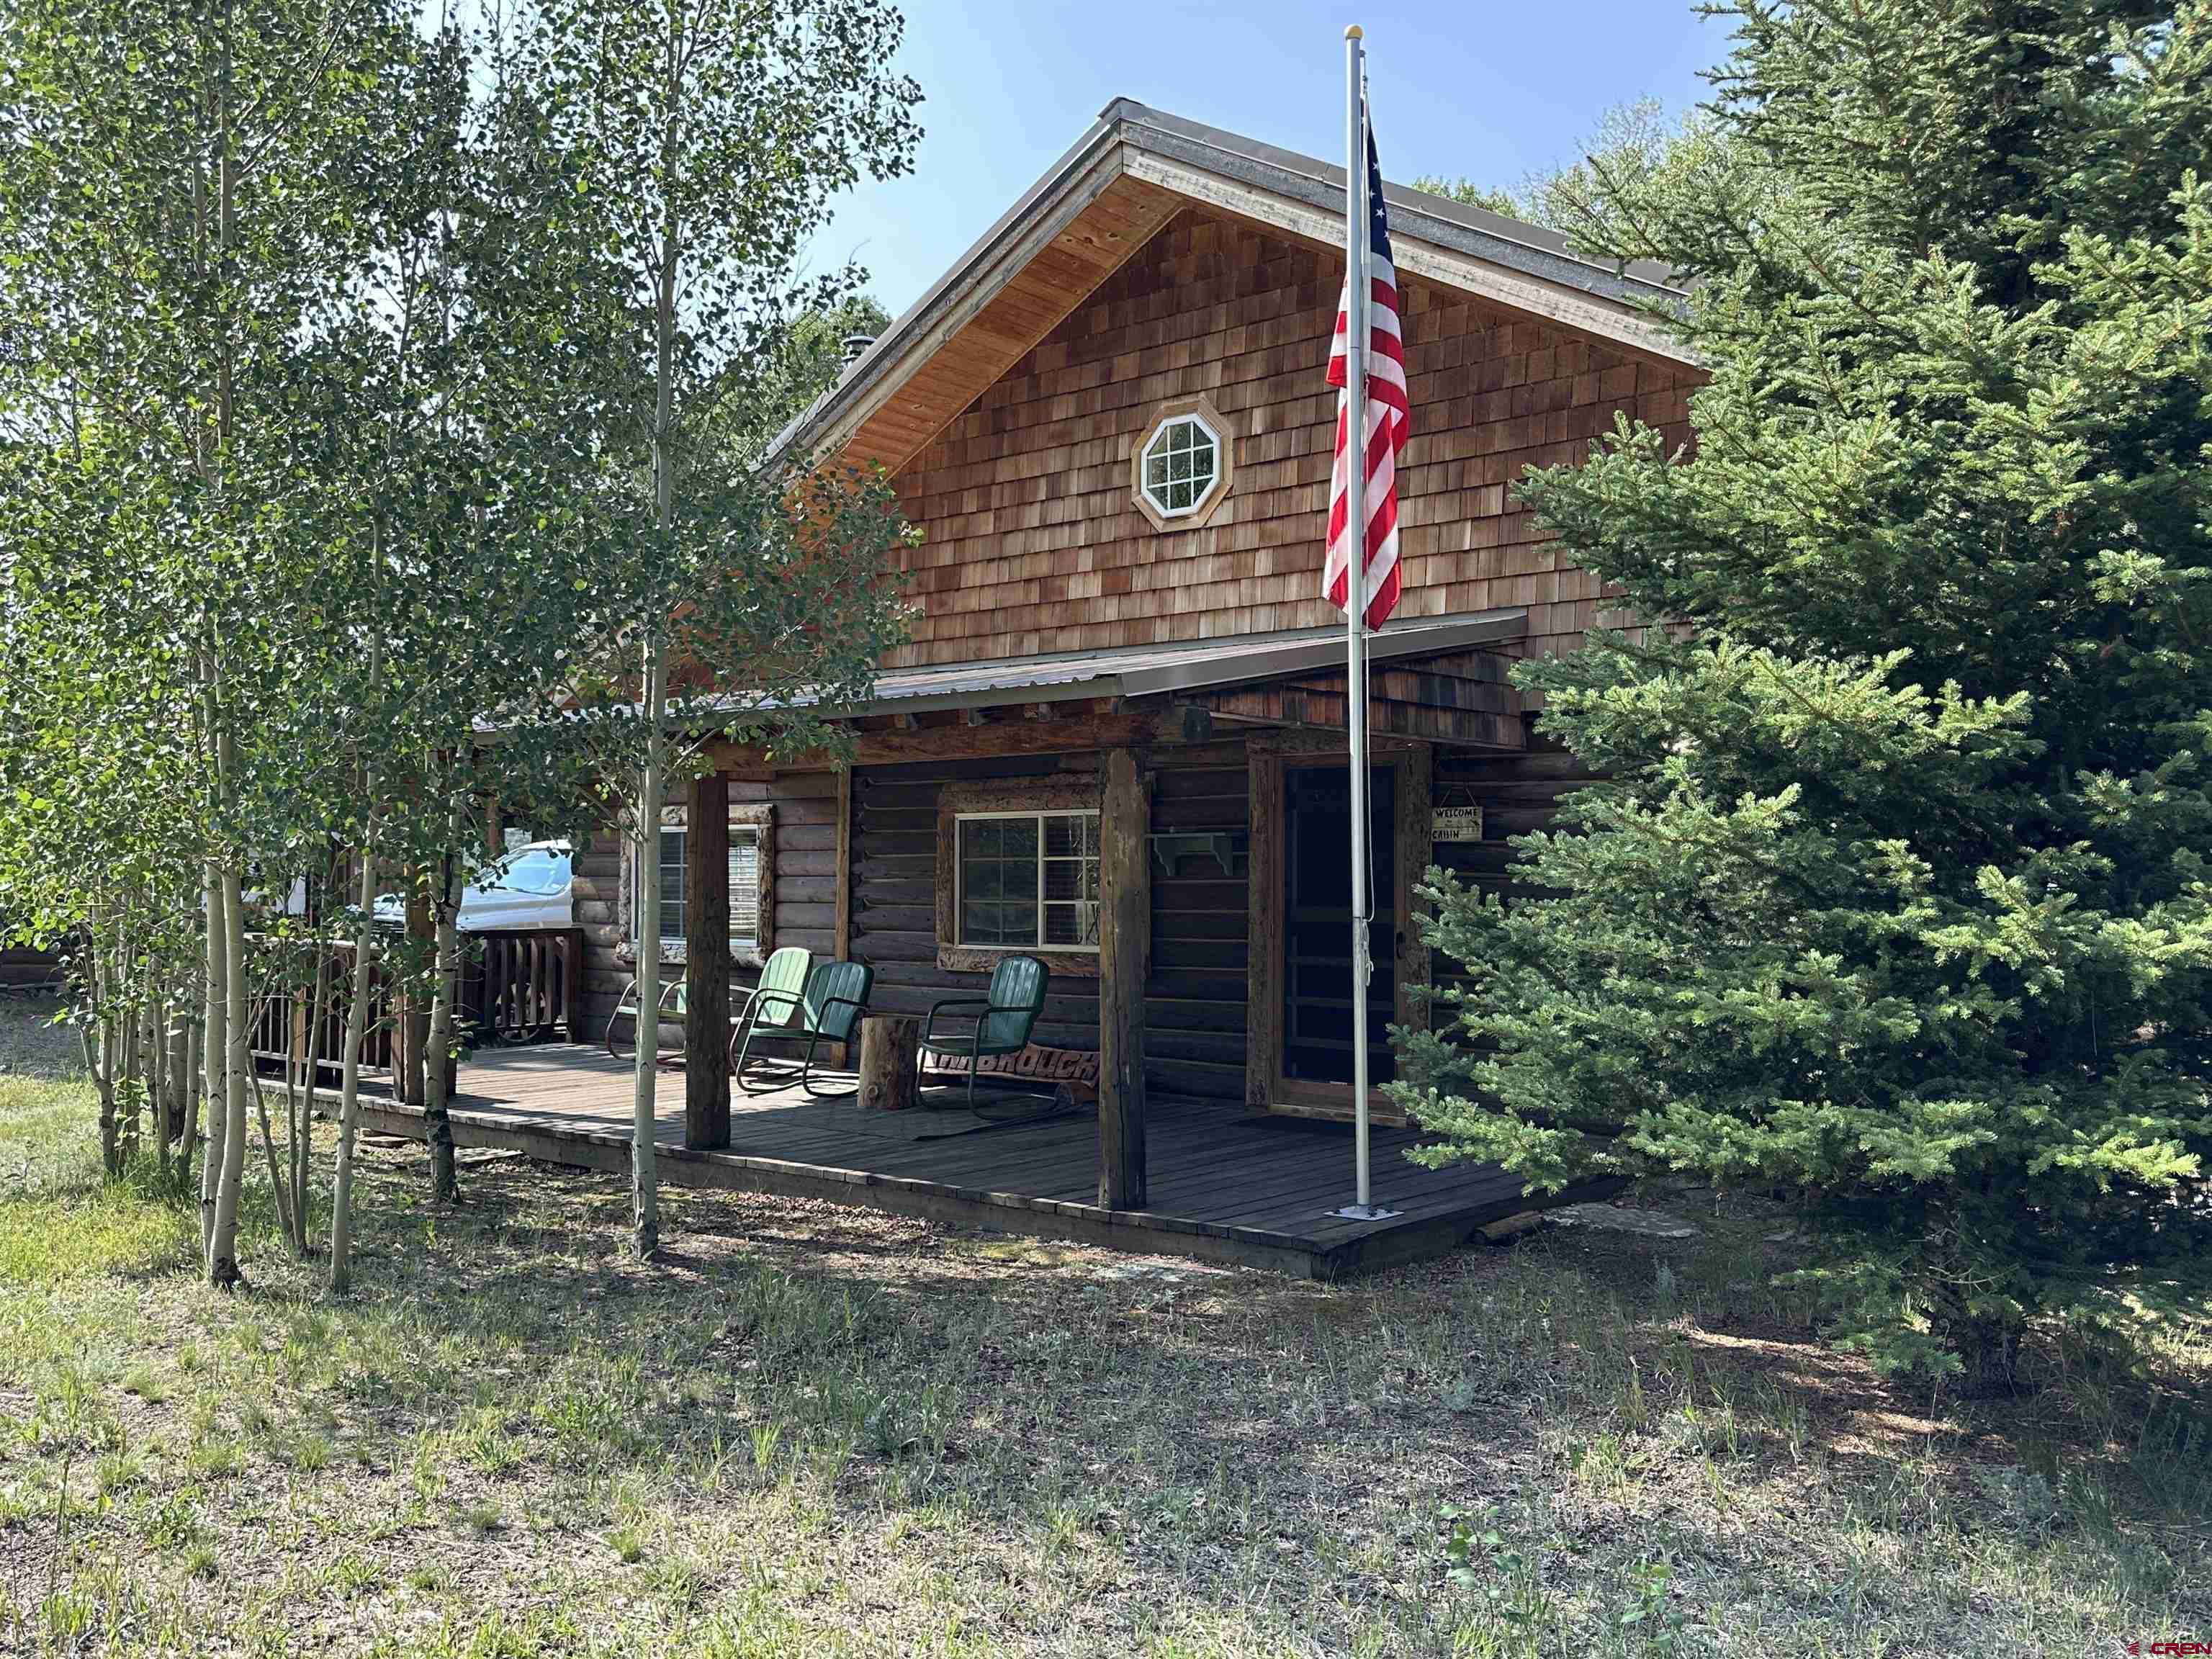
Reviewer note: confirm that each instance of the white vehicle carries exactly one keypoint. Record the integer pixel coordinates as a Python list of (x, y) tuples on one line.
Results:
[(531, 886)]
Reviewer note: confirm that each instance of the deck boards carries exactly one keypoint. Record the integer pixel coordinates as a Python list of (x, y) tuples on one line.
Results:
[(1225, 1183)]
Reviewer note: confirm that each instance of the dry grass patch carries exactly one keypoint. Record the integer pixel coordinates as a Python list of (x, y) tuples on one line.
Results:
[(823, 1430)]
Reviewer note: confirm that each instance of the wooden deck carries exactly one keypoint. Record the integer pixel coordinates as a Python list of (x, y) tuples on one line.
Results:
[(1227, 1184)]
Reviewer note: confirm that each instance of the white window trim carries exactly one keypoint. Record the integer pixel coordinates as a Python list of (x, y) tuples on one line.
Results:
[(1162, 434), (676, 948), (743, 946), (959, 893)]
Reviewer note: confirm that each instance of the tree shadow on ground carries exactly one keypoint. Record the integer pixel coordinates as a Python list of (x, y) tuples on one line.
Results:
[(1214, 1428)]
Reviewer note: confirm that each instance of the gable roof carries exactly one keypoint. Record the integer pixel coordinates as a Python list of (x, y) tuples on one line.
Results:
[(1102, 201)]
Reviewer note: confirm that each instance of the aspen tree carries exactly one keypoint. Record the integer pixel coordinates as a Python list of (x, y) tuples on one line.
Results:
[(704, 144)]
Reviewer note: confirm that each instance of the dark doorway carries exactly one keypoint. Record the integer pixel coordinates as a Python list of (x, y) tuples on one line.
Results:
[(1317, 923)]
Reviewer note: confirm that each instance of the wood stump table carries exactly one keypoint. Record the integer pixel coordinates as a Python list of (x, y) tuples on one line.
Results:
[(890, 1047)]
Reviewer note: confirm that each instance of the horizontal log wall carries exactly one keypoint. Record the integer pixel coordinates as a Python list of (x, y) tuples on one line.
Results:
[(1034, 542), (597, 888), (806, 887), (805, 860), (895, 894), (1194, 992), (1518, 793), (24, 969), (1461, 698)]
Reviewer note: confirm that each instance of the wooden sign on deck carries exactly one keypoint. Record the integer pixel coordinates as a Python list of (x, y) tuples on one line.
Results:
[(1075, 1068)]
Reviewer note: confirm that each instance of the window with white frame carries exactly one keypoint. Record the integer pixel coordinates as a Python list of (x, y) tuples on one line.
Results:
[(744, 873), (1027, 880), (745, 890), (675, 865), (1180, 466)]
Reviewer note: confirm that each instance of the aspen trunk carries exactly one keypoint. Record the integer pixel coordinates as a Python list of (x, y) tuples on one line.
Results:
[(157, 1075), (188, 1097), (304, 1148), (357, 1011), (437, 1115), (215, 1056), (645, 1193), (237, 1056), (228, 1059), (326, 1000), (122, 1019), (132, 1069), (98, 1048), (292, 1000), (279, 1186), (644, 1197), (356, 1032), (176, 1067), (238, 1081), (99, 1055), (415, 1012)]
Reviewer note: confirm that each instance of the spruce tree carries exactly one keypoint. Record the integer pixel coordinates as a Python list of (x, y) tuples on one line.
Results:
[(1895, 897)]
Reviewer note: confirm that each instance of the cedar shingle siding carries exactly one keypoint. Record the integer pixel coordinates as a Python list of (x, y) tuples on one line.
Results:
[(1034, 541)]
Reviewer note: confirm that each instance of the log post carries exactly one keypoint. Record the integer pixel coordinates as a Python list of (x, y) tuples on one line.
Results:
[(707, 963), (1125, 922)]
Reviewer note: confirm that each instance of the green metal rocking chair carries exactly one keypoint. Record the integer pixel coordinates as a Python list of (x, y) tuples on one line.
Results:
[(777, 1001), (1003, 1018), (830, 1010)]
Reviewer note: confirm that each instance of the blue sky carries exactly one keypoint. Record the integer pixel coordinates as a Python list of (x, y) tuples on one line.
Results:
[(1479, 88)]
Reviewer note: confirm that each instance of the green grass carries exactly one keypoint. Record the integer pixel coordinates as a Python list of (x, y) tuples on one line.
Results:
[(54, 1227), (824, 1431)]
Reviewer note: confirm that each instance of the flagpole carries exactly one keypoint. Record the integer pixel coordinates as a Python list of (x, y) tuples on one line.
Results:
[(1357, 294)]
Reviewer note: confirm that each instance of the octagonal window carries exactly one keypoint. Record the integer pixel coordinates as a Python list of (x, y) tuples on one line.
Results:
[(1180, 465)]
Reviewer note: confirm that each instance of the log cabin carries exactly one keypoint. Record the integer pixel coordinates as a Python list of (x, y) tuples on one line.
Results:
[(1117, 736)]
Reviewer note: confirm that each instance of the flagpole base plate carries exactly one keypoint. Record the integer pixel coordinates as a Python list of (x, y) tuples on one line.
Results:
[(1363, 1212)]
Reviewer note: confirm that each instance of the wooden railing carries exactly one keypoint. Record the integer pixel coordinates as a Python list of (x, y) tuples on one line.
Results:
[(525, 985), (280, 1025), (516, 985)]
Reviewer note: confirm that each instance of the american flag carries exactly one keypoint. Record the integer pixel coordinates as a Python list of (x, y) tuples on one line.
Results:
[(1384, 422)]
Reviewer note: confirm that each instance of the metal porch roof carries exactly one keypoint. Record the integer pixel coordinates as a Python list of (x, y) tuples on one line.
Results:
[(1157, 670)]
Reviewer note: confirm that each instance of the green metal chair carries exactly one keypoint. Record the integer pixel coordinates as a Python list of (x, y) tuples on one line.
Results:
[(675, 1002), (837, 996), (1003, 1018), (776, 1001)]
